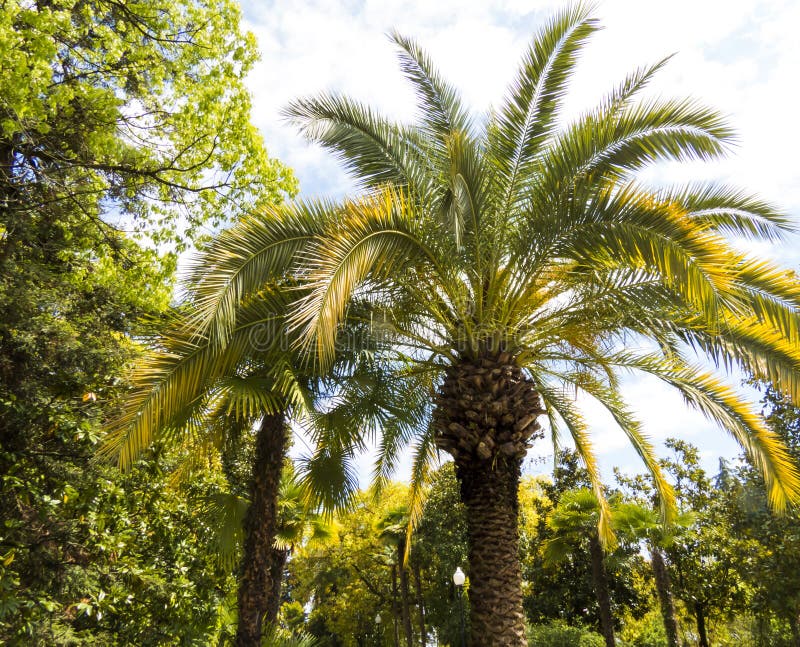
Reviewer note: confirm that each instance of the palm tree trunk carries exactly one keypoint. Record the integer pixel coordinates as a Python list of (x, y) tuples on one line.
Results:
[(405, 597), (420, 605), (600, 582), (485, 417), (256, 585), (700, 617), (664, 589), (489, 493), (276, 569)]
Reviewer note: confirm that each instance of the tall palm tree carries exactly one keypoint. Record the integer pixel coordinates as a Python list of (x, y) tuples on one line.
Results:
[(517, 263), (197, 388)]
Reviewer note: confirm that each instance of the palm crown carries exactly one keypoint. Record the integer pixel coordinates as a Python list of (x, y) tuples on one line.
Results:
[(537, 241)]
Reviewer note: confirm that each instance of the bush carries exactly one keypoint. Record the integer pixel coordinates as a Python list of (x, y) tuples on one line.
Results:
[(560, 634)]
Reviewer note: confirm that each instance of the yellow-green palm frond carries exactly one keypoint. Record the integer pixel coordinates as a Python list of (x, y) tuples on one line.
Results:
[(174, 380), (528, 115), (440, 107), (729, 211), (377, 240), (377, 152), (612, 144), (721, 403), (612, 402), (245, 259)]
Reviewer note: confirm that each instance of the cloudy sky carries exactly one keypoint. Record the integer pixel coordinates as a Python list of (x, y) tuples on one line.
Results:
[(740, 56)]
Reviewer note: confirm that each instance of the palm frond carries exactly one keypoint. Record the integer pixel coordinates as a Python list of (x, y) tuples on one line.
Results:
[(440, 106), (529, 112), (376, 151), (569, 414)]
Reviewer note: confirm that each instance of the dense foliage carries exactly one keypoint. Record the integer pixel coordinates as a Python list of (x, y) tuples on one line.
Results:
[(115, 117)]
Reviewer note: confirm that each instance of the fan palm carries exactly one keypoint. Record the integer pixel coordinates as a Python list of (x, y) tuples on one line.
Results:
[(516, 262), (574, 522), (642, 522)]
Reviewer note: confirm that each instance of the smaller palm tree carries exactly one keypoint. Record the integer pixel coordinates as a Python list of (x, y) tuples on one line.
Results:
[(201, 387), (299, 522), (641, 522), (393, 529), (574, 523)]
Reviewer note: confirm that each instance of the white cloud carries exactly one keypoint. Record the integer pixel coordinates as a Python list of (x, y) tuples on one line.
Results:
[(740, 56)]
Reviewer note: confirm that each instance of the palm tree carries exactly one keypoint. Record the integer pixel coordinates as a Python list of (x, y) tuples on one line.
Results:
[(516, 263), (393, 533), (297, 523), (199, 389), (574, 523), (642, 522)]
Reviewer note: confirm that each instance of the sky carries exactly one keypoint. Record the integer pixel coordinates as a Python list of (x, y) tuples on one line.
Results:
[(741, 57)]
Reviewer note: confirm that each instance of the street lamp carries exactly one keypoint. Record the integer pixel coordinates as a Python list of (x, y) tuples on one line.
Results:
[(458, 579)]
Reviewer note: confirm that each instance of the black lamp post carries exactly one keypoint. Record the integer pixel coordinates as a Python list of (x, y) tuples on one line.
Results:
[(458, 579)]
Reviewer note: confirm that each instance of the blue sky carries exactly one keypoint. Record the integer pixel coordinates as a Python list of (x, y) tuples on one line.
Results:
[(739, 56)]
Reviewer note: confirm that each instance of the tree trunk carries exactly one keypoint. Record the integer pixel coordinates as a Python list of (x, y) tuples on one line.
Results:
[(405, 596), (495, 584), (485, 417), (276, 570), (699, 614), (420, 605), (255, 585), (795, 627), (395, 610), (600, 582), (664, 589)]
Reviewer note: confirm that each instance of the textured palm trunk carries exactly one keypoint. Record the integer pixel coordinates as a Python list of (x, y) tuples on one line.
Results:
[(665, 599), (256, 584), (486, 418), (600, 583), (276, 569)]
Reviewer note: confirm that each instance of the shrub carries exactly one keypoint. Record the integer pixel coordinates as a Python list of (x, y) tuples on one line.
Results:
[(560, 634)]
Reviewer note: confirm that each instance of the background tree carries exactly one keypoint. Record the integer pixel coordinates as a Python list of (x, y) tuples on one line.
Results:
[(113, 116), (772, 570), (574, 523), (137, 108), (706, 558), (439, 547), (563, 591), (90, 555), (641, 522)]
